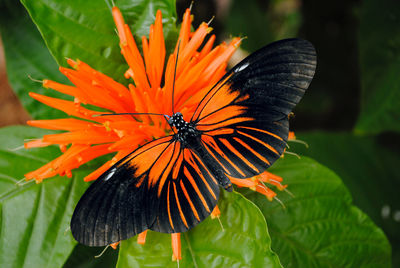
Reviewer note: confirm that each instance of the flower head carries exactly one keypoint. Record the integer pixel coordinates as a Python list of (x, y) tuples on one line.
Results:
[(87, 136)]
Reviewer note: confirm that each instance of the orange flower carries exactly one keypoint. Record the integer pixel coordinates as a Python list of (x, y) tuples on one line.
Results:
[(88, 137)]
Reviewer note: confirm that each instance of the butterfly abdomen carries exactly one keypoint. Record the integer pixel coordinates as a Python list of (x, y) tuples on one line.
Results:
[(211, 164)]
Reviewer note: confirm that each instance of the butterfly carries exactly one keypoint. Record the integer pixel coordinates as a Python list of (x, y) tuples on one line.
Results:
[(171, 184)]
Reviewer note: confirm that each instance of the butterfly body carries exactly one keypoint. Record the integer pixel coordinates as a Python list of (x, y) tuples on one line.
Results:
[(189, 137), (186, 132), (239, 128)]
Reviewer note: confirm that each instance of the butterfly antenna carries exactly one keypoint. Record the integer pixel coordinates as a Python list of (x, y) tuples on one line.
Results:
[(101, 253), (166, 117), (173, 83), (97, 115)]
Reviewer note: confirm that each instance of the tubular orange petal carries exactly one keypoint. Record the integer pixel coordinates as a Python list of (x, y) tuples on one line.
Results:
[(176, 246), (36, 143), (69, 124), (142, 238)]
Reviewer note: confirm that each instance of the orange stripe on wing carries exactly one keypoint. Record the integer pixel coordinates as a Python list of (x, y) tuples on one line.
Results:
[(215, 158), (263, 131), (193, 183), (146, 147), (204, 179), (223, 123), (177, 167), (169, 167), (179, 207), (252, 150), (169, 208), (189, 200), (237, 153), (160, 163), (222, 131), (211, 142), (260, 141)]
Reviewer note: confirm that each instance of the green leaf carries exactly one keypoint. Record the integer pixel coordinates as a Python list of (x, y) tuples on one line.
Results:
[(34, 217), (379, 42), (88, 257), (319, 226), (244, 243), (369, 167), (86, 30), (26, 54)]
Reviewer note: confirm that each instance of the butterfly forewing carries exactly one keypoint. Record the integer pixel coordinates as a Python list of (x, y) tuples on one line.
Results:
[(244, 117)]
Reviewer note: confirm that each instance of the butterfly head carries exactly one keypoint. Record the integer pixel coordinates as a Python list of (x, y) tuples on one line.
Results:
[(176, 120)]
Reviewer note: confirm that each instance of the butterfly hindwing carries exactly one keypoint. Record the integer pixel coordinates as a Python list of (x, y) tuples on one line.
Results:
[(160, 186), (244, 117), (188, 198)]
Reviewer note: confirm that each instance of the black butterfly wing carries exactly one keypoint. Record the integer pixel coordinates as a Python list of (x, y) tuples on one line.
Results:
[(160, 186), (244, 117)]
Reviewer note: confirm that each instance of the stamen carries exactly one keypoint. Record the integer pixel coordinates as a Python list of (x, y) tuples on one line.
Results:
[(22, 182), (101, 253), (17, 148), (289, 192), (301, 142), (35, 80), (209, 22), (220, 223), (67, 230), (280, 202), (291, 153)]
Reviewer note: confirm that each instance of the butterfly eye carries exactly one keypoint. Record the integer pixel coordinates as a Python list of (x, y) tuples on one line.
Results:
[(170, 120)]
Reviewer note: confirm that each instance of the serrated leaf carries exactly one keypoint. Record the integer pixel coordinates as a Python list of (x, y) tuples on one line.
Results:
[(244, 243), (369, 168), (319, 226), (379, 42), (27, 55), (34, 217)]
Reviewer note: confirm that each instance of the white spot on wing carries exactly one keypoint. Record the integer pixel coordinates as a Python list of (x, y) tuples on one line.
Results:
[(110, 174), (241, 68)]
